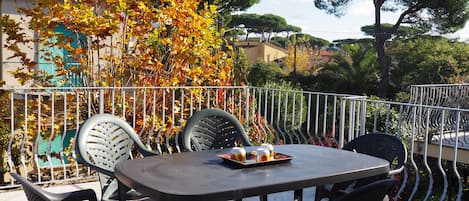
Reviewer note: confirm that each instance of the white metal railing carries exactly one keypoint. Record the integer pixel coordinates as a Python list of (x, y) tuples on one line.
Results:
[(158, 114), (433, 169)]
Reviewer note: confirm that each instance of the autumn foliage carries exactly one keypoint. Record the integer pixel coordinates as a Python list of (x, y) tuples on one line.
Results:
[(159, 43), (119, 43)]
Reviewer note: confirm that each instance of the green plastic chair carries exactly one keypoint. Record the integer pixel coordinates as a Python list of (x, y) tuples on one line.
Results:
[(213, 129), (103, 141), (35, 193), (383, 146)]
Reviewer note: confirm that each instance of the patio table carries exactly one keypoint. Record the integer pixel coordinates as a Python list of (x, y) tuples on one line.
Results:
[(204, 176)]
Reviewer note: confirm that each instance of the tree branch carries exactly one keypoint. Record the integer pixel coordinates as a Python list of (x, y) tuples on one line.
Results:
[(411, 9)]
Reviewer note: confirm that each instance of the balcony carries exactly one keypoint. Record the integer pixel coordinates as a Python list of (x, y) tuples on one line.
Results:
[(38, 125)]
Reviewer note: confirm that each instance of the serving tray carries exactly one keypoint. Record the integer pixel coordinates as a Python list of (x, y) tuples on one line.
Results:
[(251, 160)]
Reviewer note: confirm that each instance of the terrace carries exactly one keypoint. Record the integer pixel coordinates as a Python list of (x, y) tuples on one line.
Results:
[(39, 123)]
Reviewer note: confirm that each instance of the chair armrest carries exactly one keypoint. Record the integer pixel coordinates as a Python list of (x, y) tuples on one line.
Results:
[(100, 170), (146, 152), (396, 171)]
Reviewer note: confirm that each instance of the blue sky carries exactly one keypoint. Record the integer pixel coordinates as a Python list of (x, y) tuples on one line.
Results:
[(315, 22)]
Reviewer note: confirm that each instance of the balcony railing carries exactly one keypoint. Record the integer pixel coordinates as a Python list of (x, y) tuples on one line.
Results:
[(38, 125)]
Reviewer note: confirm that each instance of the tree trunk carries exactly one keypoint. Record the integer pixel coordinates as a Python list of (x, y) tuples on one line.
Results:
[(294, 59), (380, 39), (383, 62)]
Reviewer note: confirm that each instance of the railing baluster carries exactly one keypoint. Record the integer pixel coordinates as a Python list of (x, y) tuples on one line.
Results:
[(277, 138), (440, 150), (308, 121), (343, 105), (316, 120), (301, 119), (134, 107), (181, 120), (293, 117), (324, 121), (285, 118), (25, 133), (278, 116), (425, 157), (36, 141), (113, 109), (64, 135), (455, 158), (12, 127), (77, 124), (351, 122), (417, 177), (123, 103), (375, 117), (191, 109), (334, 111), (48, 151)]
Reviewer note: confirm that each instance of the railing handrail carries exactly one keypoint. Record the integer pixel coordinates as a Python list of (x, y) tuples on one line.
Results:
[(310, 92), (418, 105), (439, 85), (126, 87)]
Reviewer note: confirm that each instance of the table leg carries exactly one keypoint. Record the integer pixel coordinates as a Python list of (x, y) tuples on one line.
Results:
[(263, 197), (298, 195)]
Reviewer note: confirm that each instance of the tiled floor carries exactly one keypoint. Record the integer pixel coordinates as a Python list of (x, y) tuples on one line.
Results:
[(308, 194)]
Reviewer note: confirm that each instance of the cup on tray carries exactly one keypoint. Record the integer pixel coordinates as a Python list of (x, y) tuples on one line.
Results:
[(263, 155), (238, 153), (269, 147)]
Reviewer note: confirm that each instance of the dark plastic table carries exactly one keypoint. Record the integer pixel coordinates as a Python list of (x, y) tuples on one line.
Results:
[(204, 176)]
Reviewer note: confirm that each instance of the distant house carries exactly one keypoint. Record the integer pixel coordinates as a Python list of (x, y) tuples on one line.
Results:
[(326, 53), (262, 51), (324, 56)]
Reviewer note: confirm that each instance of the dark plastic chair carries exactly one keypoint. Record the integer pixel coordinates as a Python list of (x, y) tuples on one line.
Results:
[(35, 193), (213, 129), (383, 146), (102, 142), (375, 191)]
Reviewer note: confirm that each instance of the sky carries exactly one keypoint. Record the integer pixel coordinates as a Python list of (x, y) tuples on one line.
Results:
[(315, 22)]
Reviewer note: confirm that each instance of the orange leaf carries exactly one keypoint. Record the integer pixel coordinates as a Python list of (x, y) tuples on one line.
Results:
[(79, 50)]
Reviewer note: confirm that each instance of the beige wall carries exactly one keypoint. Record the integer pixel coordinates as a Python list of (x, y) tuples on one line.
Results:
[(271, 52), (261, 51), (9, 7)]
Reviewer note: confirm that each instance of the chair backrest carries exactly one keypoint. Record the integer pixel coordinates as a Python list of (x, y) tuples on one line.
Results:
[(103, 141), (33, 192), (213, 129), (371, 192), (383, 146)]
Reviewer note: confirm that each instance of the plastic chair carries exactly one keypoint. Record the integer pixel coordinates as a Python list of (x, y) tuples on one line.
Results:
[(35, 193), (213, 129), (375, 191), (383, 146), (102, 142)]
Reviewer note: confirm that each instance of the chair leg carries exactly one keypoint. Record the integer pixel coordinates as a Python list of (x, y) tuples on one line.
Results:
[(321, 193), (122, 191), (298, 195)]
